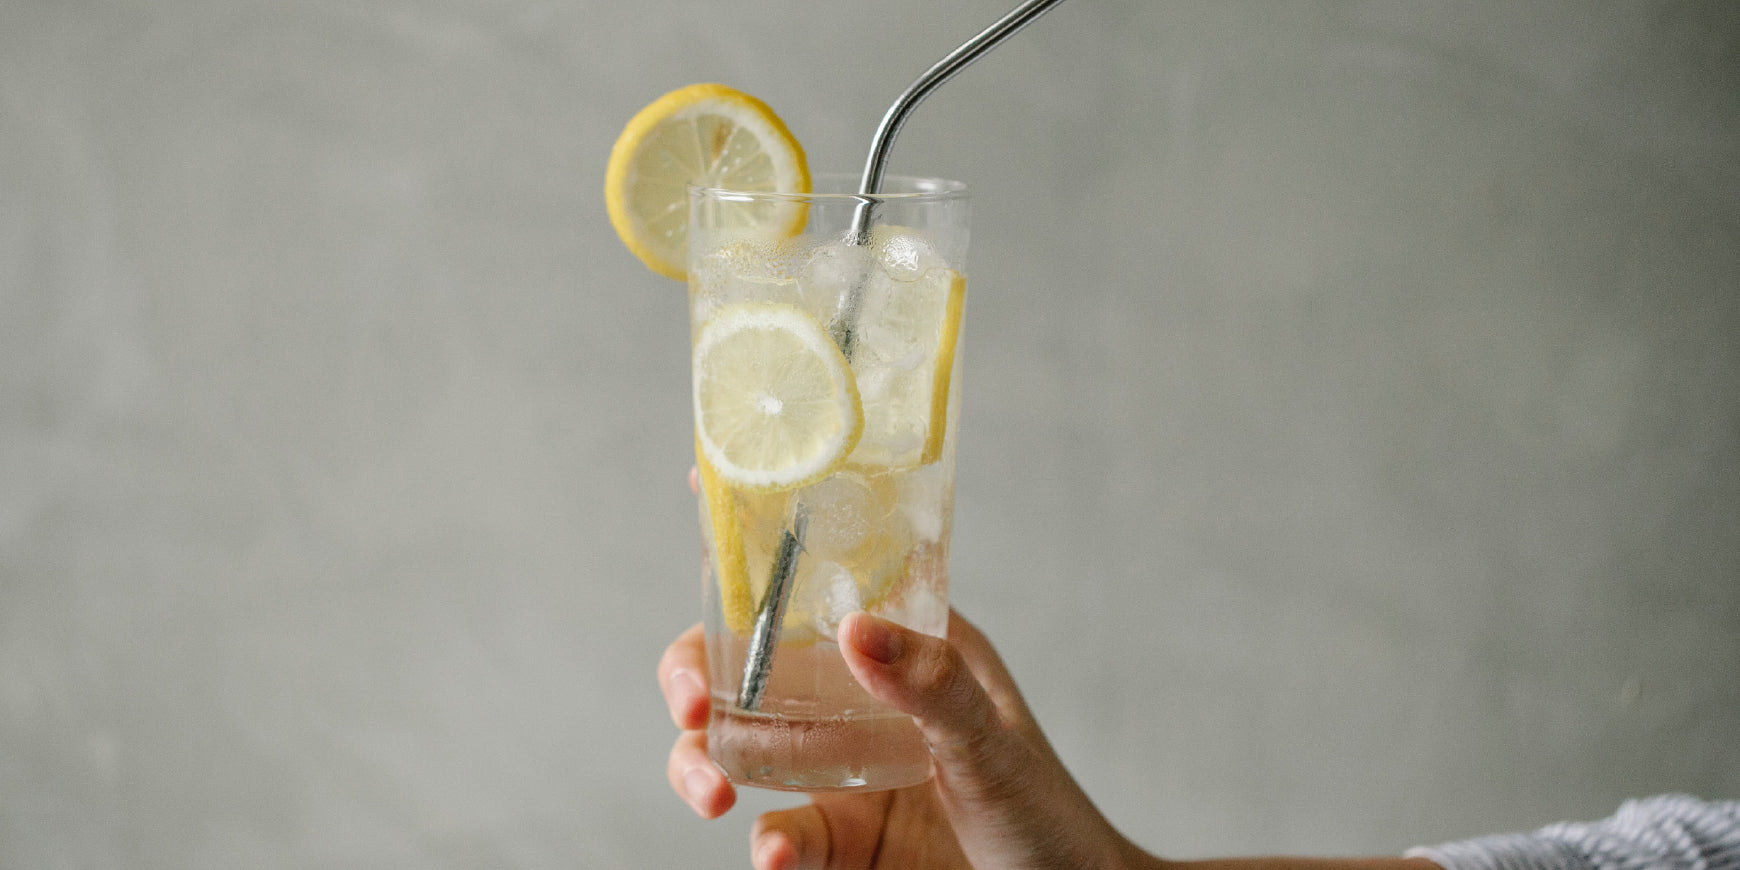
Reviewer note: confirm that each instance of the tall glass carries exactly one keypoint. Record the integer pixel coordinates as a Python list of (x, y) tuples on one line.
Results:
[(869, 529)]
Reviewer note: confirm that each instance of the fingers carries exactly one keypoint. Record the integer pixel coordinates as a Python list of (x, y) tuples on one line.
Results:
[(1008, 798), (988, 667), (917, 674), (683, 678), (794, 839), (695, 778), (928, 678), (977, 650)]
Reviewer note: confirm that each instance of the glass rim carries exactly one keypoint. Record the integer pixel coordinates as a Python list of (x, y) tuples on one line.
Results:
[(843, 186)]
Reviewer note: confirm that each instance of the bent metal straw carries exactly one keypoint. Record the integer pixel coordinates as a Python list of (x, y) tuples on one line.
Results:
[(764, 639)]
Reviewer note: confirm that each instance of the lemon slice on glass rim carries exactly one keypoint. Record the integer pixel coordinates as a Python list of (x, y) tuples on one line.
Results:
[(708, 135), (776, 406)]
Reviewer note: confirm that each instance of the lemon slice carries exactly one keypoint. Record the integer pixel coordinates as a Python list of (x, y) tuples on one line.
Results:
[(709, 135), (776, 406), (726, 531)]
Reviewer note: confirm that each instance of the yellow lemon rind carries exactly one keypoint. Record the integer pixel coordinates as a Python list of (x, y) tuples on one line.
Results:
[(736, 601), (945, 365), (775, 137)]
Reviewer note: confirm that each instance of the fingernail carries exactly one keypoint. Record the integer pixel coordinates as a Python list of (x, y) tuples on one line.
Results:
[(769, 851), (696, 783), (876, 639)]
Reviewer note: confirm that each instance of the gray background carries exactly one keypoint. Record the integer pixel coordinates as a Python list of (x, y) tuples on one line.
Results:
[(1349, 457)]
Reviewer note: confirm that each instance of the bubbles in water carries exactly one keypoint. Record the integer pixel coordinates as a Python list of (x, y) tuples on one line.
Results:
[(741, 271)]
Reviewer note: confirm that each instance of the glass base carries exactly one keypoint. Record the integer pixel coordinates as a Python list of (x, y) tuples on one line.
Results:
[(841, 753)]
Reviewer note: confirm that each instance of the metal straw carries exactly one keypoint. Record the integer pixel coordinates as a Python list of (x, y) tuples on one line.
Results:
[(764, 639)]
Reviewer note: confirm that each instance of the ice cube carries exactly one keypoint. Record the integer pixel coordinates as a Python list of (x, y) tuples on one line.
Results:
[(901, 322), (921, 496), (826, 592), (923, 606), (900, 334), (894, 329), (843, 596), (844, 514), (829, 271), (905, 255)]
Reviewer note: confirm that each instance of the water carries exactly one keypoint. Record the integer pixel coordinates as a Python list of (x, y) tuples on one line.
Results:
[(818, 730), (831, 753)]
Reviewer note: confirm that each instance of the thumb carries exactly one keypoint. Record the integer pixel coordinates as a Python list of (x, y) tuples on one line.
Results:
[(1007, 796), (976, 752)]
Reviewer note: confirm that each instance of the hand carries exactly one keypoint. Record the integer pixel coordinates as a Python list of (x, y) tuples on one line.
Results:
[(1000, 798)]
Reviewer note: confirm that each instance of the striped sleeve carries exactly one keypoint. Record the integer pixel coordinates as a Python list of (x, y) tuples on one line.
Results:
[(1667, 832)]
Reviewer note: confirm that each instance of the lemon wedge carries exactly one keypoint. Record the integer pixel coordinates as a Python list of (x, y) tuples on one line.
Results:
[(943, 370), (776, 406), (709, 135), (726, 533)]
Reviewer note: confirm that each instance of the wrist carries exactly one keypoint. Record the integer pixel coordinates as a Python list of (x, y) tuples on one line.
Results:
[(1133, 857)]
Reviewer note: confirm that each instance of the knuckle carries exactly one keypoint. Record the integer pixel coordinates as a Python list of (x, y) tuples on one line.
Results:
[(936, 671), (989, 765), (953, 699)]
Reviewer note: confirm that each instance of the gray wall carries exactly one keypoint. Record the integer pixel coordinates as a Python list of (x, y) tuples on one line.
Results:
[(1349, 458)]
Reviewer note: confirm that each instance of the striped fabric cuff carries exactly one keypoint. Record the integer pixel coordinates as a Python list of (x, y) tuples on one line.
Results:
[(1500, 852), (1665, 832)]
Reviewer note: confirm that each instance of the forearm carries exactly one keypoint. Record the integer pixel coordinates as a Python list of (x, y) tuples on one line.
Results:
[(1139, 860), (1302, 864), (1665, 831)]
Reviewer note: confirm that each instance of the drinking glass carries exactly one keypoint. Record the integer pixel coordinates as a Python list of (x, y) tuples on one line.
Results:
[(883, 277)]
